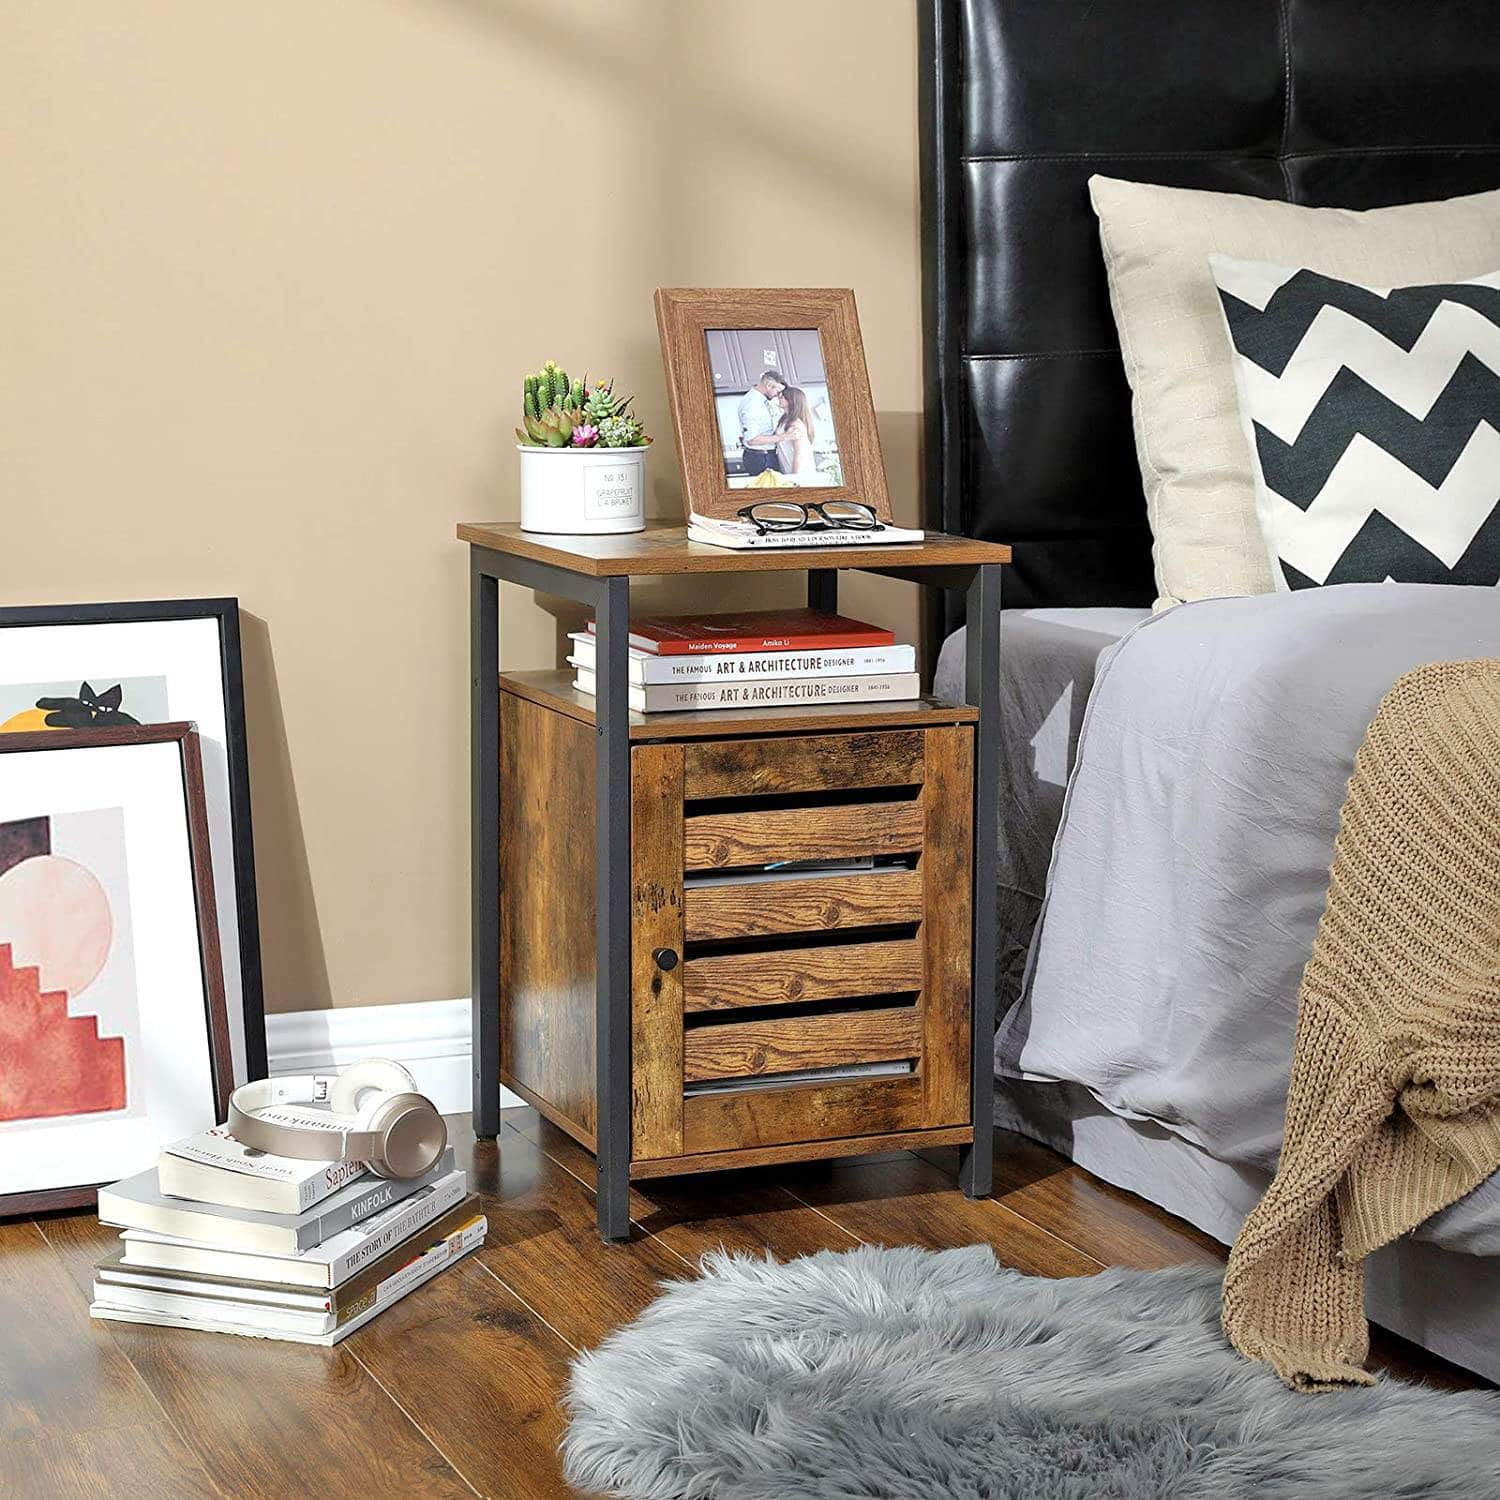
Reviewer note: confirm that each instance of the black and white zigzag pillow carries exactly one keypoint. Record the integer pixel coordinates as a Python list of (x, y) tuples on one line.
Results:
[(1374, 419)]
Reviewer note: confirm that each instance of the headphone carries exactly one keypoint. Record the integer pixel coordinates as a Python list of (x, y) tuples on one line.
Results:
[(374, 1113)]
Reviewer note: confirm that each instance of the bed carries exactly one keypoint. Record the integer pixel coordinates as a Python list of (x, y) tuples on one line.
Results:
[(1147, 1018)]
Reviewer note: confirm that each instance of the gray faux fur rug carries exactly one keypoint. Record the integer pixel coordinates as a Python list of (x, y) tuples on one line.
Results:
[(906, 1374)]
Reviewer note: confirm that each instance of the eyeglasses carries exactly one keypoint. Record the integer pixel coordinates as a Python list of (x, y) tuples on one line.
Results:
[(791, 515)]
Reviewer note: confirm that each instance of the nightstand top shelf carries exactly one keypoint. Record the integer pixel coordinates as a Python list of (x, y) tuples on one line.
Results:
[(662, 548), (555, 690)]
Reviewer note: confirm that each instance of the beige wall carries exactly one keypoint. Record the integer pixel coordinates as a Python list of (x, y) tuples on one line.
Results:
[(270, 272)]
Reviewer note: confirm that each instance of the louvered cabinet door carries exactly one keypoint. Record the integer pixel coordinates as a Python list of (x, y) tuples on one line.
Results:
[(751, 986)]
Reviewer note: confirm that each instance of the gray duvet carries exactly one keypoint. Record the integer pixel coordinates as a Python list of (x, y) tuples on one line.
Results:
[(1191, 864)]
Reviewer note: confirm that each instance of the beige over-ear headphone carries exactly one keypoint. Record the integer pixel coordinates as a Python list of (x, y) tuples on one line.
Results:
[(374, 1114)]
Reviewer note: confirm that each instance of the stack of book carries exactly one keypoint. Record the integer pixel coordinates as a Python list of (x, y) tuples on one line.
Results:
[(762, 659), (223, 1238)]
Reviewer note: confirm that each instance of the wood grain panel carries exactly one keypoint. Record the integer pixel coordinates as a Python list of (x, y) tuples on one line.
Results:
[(845, 831), (750, 1048), (547, 907), (663, 548), (656, 918), (554, 690), (775, 1117), (804, 763), (784, 976), (947, 873), (765, 909), (804, 1151)]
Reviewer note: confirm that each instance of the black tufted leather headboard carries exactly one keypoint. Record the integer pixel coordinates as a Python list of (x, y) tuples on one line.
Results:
[(1355, 103)]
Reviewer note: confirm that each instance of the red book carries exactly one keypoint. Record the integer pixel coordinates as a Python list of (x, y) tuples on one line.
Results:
[(757, 630)]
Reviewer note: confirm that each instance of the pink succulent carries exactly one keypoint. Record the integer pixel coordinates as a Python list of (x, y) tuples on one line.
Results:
[(585, 436)]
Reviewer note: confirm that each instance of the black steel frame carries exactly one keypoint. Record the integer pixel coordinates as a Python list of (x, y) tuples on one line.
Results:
[(226, 614), (610, 600)]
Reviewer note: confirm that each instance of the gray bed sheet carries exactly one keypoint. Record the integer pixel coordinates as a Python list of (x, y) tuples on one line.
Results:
[(1190, 868), (1047, 662)]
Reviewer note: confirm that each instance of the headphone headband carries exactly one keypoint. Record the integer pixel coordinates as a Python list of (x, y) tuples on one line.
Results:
[(399, 1134)]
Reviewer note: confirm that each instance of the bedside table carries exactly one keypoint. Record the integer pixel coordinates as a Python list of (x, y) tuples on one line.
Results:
[(614, 986)]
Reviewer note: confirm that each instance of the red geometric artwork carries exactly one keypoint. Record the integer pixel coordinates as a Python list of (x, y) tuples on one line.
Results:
[(52, 1063), (67, 981)]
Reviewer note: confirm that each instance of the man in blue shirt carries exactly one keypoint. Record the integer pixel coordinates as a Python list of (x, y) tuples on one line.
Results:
[(758, 418)]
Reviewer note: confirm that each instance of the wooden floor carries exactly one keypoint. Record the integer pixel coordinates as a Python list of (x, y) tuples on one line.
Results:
[(454, 1391)]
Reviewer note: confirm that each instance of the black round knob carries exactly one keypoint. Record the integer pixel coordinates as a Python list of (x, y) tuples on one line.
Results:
[(666, 958)]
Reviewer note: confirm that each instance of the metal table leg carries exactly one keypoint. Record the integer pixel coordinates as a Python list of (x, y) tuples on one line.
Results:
[(612, 995), (982, 685), (484, 805), (823, 589)]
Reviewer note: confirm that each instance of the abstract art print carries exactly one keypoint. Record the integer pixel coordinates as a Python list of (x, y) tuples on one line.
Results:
[(69, 1021), (113, 1034), (98, 666)]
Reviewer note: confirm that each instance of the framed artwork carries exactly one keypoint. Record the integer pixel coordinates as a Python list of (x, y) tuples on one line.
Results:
[(113, 1035), (769, 392), (79, 666)]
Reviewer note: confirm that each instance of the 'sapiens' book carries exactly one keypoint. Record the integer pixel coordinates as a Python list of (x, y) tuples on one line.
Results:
[(754, 630), (216, 1315), (213, 1167), (327, 1265), (340, 1301), (884, 686), (139, 1203), (648, 669)]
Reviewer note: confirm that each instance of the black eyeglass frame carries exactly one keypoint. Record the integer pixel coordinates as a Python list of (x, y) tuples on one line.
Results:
[(762, 527)]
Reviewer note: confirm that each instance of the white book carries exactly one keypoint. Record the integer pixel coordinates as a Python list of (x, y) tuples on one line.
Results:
[(226, 1318), (324, 1267), (139, 1203), (665, 697), (647, 668), (741, 536), (213, 1167)]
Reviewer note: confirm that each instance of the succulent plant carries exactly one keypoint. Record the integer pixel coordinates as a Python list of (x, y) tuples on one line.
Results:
[(621, 431), (557, 412)]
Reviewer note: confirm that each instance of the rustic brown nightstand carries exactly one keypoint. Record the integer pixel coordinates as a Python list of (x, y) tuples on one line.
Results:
[(614, 986)]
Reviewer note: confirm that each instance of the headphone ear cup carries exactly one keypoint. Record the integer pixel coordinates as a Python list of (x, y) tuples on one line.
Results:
[(377, 1073)]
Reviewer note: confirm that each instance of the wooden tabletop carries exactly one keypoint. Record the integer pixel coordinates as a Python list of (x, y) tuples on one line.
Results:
[(663, 548)]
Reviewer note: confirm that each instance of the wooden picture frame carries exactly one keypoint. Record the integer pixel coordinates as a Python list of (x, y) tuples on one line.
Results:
[(684, 318), (129, 1130), (191, 648)]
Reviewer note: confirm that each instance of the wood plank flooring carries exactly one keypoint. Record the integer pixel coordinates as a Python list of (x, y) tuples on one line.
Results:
[(455, 1391)]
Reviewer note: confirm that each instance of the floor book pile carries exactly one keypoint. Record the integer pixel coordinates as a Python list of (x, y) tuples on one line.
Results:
[(761, 659), (220, 1237)]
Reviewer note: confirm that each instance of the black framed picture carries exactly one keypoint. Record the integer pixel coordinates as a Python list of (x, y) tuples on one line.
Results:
[(93, 666)]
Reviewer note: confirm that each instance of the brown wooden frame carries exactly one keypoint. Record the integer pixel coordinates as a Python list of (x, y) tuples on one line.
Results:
[(46, 1200), (684, 316)]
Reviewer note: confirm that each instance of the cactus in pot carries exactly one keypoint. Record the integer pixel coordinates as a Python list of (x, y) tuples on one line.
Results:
[(557, 412)]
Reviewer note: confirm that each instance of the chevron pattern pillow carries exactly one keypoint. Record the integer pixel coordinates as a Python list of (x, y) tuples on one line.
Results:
[(1373, 418)]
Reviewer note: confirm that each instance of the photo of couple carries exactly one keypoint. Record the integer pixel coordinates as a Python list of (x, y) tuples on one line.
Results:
[(775, 420)]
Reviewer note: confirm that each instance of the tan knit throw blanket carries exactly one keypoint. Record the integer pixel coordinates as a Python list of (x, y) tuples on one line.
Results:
[(1394, 1107)]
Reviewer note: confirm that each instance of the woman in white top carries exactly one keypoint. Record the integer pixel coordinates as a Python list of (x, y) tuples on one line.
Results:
[(793, 436)]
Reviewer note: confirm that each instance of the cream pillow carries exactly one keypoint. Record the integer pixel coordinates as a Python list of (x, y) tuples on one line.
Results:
[(1195, 462)]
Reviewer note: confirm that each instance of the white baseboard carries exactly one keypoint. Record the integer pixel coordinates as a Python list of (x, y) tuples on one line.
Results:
[(429, 1037)]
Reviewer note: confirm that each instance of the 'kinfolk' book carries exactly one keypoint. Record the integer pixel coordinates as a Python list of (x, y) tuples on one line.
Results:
[(755, 630), (139, 1203), (647, 668), (327, 1265), (885, 686)]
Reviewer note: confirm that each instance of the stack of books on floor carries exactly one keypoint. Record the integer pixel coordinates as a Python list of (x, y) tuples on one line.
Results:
[(230, 1240), (761, 659)]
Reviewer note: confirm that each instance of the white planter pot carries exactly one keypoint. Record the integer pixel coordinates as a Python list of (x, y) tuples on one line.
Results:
[(582, 491)]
